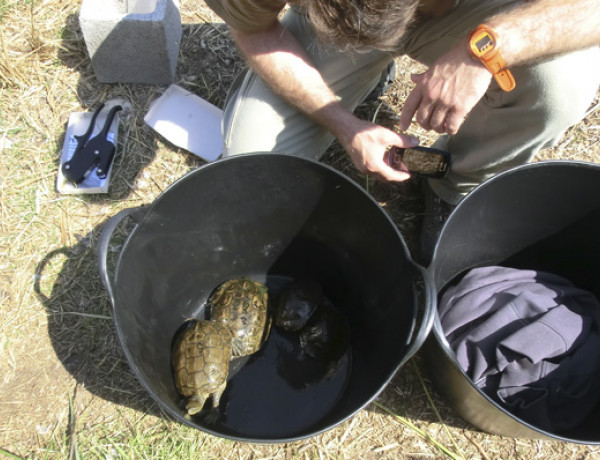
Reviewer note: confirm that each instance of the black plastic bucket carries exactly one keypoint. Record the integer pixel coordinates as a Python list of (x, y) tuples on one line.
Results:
[(543, 216), (270, 217)]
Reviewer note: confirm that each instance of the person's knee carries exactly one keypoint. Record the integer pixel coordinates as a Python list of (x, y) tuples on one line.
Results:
[(562, 89)]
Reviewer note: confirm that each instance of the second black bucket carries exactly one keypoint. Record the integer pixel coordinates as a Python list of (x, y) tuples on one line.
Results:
[(542, 216)]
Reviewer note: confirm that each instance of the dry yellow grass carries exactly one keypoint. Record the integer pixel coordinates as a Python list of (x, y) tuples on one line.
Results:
[(65, 388)]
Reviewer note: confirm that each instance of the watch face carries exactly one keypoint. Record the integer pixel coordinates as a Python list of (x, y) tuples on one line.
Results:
[(484, 43)]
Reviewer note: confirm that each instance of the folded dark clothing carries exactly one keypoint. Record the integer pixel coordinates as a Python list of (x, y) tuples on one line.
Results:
[(528, 339)]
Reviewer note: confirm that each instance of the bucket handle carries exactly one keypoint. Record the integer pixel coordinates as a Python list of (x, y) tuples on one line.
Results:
[(428, 315), (104, 241)]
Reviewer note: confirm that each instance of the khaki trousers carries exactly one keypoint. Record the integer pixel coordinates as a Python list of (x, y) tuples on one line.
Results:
[(502, 131)]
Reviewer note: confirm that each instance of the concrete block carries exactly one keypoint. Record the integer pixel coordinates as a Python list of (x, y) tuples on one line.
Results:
[(132, 41)]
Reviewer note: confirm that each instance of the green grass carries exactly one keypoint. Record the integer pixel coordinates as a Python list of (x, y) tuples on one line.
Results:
[(122, 439)]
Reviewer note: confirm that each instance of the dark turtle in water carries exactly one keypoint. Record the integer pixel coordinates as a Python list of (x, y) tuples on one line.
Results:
[(241, 305), (296, 303), (200, 358), (326, 336)]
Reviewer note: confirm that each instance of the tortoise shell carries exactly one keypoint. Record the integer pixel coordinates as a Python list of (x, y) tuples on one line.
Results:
[(200, 360), (241, 305), (296, 303), (326, 336)]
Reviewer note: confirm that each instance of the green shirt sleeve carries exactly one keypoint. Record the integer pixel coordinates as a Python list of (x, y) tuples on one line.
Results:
[(247, 15)]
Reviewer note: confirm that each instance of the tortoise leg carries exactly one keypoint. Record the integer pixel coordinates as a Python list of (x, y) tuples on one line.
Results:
[(216, 396), (238, 349), (195, 403), (213, 415), (267, 330)]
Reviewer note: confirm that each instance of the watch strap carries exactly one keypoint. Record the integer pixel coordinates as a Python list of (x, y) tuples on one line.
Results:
[(491, 57), (505, 79)]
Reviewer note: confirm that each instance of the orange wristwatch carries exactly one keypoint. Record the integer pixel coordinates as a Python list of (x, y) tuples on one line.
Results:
[(485, 47)]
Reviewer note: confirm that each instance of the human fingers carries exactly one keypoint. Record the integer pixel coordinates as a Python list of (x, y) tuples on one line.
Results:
[(380, 170), (453, 122), (432, 114), (411, 104), (444, 120), (376, 165), (421, 104), (403, 140), (394, 173), (424, 114), (385, 173)]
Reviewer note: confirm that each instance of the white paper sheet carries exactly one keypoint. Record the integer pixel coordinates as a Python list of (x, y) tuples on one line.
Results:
[(187, 121)]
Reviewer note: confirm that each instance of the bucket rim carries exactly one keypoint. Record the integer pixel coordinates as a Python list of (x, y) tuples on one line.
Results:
[(313, 162), (573, 164)]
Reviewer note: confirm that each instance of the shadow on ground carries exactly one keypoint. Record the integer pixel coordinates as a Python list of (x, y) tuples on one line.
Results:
[(81, 329)]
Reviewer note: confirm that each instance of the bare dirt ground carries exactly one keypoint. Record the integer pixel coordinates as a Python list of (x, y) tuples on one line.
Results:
[(66, 390)]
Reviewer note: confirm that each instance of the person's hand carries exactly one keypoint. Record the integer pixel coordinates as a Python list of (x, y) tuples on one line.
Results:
[(367, 147), (445, 94)]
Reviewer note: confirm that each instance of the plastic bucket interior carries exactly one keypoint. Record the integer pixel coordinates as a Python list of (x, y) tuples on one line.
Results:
[(272, 218), (542, 216)]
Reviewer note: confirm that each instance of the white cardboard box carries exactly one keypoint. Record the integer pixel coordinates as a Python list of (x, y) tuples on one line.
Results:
[(187, 121)]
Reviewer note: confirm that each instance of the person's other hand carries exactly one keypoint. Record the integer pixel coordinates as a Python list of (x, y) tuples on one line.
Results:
[(367, 148), (445, 94)]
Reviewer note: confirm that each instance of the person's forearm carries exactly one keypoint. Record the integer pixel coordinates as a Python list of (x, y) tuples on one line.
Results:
[(542, 28), (279, 59)]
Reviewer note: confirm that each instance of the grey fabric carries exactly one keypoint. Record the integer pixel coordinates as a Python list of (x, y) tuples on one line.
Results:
[(528, 339)]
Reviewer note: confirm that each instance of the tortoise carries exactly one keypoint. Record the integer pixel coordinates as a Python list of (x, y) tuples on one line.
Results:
[(201, 355), (326, 336), (241, 304), (296, 303)]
